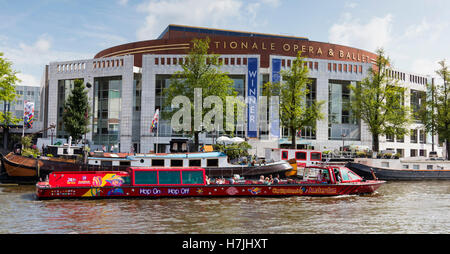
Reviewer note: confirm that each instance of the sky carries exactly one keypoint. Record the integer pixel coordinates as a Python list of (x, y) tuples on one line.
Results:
[(415, 34)]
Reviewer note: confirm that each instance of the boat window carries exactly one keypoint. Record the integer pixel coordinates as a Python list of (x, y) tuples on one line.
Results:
[(406, 166), (284, 155), (106, 163), (415, 166), (300, 155), (348, 175), (145, 177), (158, 162), (316, 156), (344, 175), (125, 163), (176, 163), (169, 177), (194, 163), (385, 164), (429, 166), (212, 162), (192, 177)]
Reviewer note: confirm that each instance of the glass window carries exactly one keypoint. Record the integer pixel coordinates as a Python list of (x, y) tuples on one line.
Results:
[(341, 120), (284, 155), (194, 163), (192, 177), (316, 156), (212, 162), (158, 162), (300, 155), (169, 177), (145, 177), (344, 174), (176, 163)]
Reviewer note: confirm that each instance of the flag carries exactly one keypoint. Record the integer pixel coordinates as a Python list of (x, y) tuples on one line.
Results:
[(28, 115), (155, 120)]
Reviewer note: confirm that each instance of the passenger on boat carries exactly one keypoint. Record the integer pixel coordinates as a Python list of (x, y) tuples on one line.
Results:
[(276, 180), (208, 181), (336, 174), (261, 179)]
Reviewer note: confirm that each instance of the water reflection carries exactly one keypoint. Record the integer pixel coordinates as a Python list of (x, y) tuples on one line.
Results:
[(397, 207)]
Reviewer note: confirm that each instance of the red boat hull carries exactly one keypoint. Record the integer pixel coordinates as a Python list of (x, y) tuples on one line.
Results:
[(231, 190)]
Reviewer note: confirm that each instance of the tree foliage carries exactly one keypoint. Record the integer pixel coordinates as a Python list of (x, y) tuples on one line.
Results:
[(379, 101), (435, 112), (200, 70), (295, 111), (76, 111), (8, 80)]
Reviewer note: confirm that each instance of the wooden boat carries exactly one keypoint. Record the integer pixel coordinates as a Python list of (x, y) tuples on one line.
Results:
[(160, 182), (215, 163), (17, 168), (401, 169)]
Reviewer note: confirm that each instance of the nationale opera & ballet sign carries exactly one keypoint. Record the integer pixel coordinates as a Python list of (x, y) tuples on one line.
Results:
[(275, 46)]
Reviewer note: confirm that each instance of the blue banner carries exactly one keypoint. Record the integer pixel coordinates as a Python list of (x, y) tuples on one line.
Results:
[(274, 102), (252, 98)]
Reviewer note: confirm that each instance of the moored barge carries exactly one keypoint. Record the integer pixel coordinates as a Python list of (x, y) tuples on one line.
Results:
[(193, 182)]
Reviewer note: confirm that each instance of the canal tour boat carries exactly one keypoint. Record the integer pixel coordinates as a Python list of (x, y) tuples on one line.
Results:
[(215, 163), (138, 182)]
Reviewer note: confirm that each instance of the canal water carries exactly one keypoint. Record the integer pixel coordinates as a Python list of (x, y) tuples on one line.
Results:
[(396, 208)]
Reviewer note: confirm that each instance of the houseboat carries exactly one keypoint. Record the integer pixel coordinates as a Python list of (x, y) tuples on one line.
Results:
[(215, 163), (158, 182), (402, 169)]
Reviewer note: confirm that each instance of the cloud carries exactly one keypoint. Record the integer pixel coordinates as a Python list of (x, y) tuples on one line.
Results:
[(188, 12), (123, 2), (351, 31), (233, 14), (29, 59), (27, 80)]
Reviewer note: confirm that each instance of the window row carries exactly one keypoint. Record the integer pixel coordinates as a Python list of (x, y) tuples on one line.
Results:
[(182, 60), (349, 68)]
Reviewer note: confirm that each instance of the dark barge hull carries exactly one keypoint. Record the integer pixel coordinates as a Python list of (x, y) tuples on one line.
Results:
[(398, 174)]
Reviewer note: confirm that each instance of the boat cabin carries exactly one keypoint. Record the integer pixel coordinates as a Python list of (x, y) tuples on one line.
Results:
[(168, 176), (132, 176), (330, 175), (208, 159), (303, 157)]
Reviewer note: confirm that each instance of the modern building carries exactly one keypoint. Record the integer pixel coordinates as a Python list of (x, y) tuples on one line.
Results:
[(127, 82), (25, 94)]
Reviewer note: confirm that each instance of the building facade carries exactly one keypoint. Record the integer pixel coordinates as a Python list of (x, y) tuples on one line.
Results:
[(128, 80)]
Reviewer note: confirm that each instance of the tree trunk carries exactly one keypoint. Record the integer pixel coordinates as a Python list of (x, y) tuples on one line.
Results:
[(447, 149), (375, 143), (196, 141), (294, 141)]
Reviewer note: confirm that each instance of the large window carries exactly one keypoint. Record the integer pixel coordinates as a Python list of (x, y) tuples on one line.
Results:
[(342, 124), (107, 105), (192, 177), (416, 100), (65, 88), (145, 177), (169, 177)]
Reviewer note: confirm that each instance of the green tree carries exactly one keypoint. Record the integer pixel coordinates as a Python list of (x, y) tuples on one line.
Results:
[(379, 101), (296, 111), (8, 80), (76, 111), (200, 71), (435, 113)]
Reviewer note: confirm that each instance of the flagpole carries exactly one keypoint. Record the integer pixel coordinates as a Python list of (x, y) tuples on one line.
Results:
[(157, 137)]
